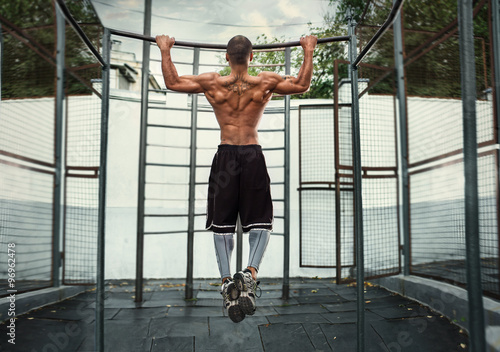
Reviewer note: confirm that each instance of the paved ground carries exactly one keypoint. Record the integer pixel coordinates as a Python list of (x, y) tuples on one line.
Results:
[(319, 316)]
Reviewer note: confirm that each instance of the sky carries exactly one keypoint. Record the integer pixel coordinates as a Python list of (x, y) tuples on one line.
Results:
[(215, 21)]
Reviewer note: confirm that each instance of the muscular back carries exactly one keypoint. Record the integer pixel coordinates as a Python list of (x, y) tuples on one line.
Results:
[(239, 101)]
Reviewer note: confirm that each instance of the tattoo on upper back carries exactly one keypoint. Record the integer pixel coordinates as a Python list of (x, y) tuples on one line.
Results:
[(238, 85)]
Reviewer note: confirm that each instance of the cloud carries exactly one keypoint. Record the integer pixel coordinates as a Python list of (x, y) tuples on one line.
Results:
[(255, 18), (131, 4), (116, 15), (289, 10)]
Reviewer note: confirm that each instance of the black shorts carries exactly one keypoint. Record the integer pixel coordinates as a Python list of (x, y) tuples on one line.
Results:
[(239, 183)]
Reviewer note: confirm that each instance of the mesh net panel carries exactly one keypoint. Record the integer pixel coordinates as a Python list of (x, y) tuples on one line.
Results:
[(317, 168), (378, 159), (27, 137), (27, 146), (317, 145), (436, 148), (83, 128), (318, 244), (26, 206)]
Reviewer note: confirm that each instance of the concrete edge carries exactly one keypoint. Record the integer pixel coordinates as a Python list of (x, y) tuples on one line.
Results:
[(448, 300), (24, 302)]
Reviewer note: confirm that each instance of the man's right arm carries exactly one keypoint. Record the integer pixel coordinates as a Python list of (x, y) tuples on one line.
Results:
[(300, 84), (186, 83)]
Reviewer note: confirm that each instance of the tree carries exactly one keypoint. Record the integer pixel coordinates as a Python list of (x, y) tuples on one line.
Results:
[(322, 82), (24, 72), (437, 72)]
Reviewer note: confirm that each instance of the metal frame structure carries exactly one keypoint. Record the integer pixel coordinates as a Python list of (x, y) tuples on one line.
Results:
[(465, 15), (468, 79), (61, 41)]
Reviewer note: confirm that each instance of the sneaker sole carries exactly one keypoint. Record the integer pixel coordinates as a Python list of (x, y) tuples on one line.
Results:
[(246, 305), (239, 282), (233, 292), (235, 314), (245, 302)]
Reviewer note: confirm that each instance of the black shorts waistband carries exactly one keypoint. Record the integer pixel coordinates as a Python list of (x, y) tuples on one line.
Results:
[(244, 147)]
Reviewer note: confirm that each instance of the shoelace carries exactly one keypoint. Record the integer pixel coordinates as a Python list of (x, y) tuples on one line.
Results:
[(258, 288)]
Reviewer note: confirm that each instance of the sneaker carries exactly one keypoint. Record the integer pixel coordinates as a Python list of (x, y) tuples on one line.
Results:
[(246, 286), (230, 296)]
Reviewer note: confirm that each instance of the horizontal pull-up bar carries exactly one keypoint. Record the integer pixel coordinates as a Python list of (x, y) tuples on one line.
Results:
[(390, 19), (388, 22), (224, 46)]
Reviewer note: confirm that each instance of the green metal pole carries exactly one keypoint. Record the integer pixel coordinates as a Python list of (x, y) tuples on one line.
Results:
[(403, 140), (99, 320), (59, 147), (239, 245), (473, 262), (286, 205), (358, 203), (192, 181), (146, 48)]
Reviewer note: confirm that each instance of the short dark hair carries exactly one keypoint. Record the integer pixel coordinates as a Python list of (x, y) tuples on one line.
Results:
[(239, 49)]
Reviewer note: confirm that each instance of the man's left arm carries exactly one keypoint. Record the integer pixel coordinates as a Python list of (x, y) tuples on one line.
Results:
[(186, 83)]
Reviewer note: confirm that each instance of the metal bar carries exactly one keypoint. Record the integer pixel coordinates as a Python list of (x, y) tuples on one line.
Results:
[(473, 261), (448, 155), (59, 145), (146, 48), (494, 9), (192, 180), (165, 165), (25, 167), (99, 325), (239, 245), (358, 205), (80, 31), (300, 186), (338, 214), (1, 58), (224, 46), (169, 126), (165, 215), (286, 205), (388, 22), (403, 142), (451, 162)]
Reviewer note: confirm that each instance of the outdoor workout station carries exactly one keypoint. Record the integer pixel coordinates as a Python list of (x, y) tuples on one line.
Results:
[(385, 195)]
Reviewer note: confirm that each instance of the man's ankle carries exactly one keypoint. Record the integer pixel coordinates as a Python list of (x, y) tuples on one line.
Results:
[(253, 271)]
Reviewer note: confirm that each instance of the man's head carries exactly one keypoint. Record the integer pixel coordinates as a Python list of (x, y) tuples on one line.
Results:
[(239, 50)]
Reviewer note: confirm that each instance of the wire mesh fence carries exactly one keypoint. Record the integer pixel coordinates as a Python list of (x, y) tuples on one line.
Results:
[(26, 223), (326, 181), (435, 133), (435, 136), (28, 143), (27, 154), (82, 147)]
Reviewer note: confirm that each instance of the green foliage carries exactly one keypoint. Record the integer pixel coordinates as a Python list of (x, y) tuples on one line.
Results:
[(322, 82), (261, 58), (357, 7), (435, 73), (324, 56), (25, 73)]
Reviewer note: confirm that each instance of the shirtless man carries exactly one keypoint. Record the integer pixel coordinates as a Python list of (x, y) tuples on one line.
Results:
[(239, 182)]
